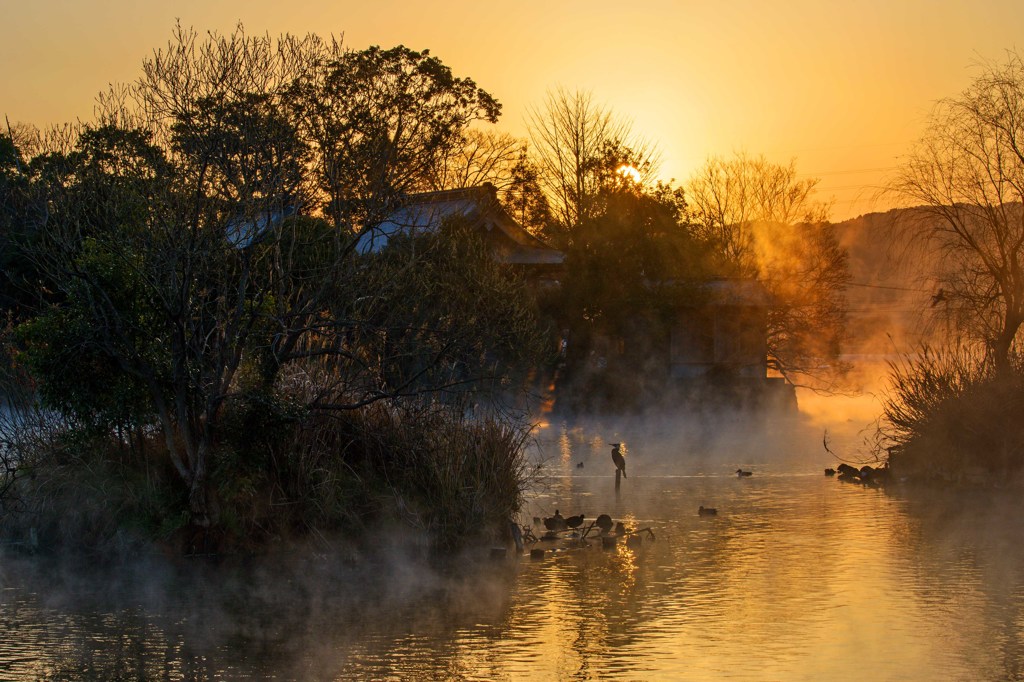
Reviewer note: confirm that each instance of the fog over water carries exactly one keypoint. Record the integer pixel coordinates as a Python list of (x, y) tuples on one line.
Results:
[(798, 577)]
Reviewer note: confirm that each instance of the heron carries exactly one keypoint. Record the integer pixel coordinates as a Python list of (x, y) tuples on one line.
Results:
[(619, 458)]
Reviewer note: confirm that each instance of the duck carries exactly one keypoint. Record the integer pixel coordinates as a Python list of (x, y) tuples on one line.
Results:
[(556, 522), (740, 473), (706, 511), (604, 522), (574, 522), (847, 472), (830, 472), (579, 465), (619, 458)]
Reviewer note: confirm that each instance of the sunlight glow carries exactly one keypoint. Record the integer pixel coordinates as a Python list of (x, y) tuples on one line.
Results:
[(628, 172)]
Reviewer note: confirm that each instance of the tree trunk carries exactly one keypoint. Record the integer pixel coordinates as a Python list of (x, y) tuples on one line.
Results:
[(198, 500)]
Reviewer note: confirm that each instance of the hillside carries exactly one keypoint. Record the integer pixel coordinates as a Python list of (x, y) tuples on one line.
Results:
[(891, 288)]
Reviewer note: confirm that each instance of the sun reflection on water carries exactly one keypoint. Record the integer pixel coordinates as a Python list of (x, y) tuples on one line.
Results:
[(797, 577)]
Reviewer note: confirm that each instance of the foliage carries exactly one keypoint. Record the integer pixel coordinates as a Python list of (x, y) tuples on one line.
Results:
[(628, 270), (200, 239), (949, 415), (381, 122), (470, 320)]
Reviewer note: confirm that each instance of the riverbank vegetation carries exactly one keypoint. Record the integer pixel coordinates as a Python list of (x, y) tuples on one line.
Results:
[(951, 417), (214, 360), (953, 411), (198, 352)]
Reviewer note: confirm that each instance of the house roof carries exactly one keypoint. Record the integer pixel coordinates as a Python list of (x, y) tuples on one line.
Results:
[(425, 212), (243, 231)]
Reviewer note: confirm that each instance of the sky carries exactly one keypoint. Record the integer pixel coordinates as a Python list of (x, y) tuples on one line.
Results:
[(844, 88)]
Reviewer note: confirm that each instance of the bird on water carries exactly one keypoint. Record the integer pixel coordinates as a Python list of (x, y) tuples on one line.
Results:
[(706, 511), (741, 473), (619, 458), (574, 522), (556, 522), (605, 523)]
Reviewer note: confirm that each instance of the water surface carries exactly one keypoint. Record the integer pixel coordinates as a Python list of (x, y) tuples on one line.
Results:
[(799, 577)]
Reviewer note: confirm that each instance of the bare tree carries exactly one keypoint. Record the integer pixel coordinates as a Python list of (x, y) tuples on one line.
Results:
[(761, 222), (968, 171), (578, 145), (483, 156), (730, 200)]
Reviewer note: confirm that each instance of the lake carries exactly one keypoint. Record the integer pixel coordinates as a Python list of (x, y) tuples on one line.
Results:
[(798, 577)]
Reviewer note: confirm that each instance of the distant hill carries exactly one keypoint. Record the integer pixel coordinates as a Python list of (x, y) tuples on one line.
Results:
[(891, 289)]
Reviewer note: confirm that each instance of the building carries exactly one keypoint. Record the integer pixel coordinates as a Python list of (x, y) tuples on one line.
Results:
[(725, 332), (510, 242), (717, 338)]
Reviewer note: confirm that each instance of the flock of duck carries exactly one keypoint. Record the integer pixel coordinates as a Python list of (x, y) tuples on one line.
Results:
[(868, 475), (557, 525)]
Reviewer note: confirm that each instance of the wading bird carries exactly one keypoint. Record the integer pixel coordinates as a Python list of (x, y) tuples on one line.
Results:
[(619, 458)]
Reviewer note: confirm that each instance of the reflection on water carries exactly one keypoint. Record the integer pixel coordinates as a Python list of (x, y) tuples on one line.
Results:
[(798, 577)]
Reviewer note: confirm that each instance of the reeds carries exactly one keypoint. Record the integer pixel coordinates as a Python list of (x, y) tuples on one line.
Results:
[(948, 415)]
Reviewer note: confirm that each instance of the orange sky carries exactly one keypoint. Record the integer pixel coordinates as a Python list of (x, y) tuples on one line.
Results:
[(841, 86)]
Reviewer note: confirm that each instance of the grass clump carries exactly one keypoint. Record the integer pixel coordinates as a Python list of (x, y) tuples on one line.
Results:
[(949, 416), (278, 474)]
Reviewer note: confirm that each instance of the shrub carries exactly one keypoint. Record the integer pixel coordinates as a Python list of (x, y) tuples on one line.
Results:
[(949, 415)]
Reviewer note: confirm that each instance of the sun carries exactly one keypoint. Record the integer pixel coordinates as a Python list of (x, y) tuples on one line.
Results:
[(628, 172)]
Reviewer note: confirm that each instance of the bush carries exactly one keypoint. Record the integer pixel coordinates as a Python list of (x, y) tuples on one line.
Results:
[(949, 415)]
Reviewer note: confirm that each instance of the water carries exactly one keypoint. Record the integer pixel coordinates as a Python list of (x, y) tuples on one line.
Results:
[(799, 577)]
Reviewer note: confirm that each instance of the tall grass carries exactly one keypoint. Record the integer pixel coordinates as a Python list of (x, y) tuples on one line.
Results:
[(452, 478), (278, 473), (948, 415)]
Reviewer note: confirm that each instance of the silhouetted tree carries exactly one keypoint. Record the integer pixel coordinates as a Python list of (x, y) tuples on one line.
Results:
[(381, 123), (761, 222), (968, 171), (578, 145), (201, 240), (628, 269)]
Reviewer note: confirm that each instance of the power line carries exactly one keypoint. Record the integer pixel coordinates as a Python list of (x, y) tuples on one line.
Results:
[(882, 286)]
